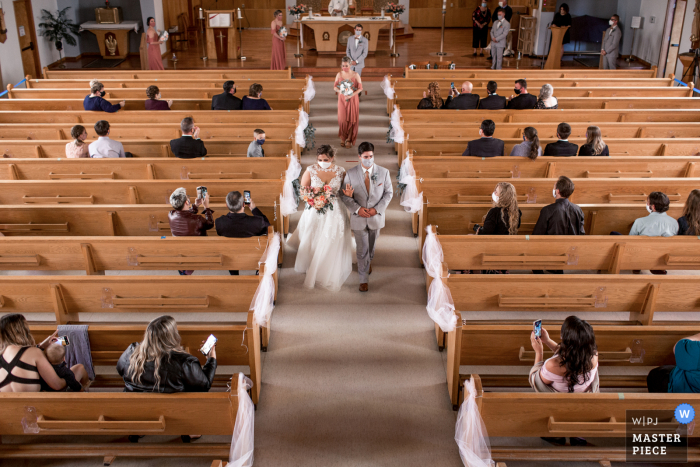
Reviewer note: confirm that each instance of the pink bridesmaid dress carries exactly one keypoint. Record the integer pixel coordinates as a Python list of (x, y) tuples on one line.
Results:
[(154, 59), (348, 113), (279, 53)]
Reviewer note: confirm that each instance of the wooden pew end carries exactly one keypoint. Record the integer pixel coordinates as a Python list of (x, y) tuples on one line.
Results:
[(108, 460)]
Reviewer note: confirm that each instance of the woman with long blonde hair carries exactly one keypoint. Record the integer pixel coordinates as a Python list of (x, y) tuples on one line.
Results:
[(159, 363), (595, 146), (432, 99), (689, 224), (504, 217)]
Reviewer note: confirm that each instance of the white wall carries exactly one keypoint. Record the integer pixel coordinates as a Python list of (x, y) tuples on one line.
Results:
[(10, 56), (47, 51), (648, 41)]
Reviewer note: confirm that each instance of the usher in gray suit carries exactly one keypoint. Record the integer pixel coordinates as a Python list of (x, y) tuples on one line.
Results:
[(358, 53), (499, 33), (611, 44), (366, 230)]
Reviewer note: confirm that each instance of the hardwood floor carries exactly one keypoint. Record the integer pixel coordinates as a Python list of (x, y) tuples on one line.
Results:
[(256, 47)]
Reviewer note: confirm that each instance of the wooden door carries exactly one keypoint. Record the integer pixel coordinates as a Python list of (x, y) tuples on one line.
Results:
[(675, 42), (27, 38)]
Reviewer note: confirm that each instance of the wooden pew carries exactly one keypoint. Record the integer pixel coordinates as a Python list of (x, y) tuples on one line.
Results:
[(601, 219), (95, 255), (224, 74), (553, 167), (231, 146), (130, 220), (504, 84), (534, 415), (607, 253), (222, 168), (537, 117), (18, 105), (617, 146), (118, 415), (593, 102), (502, 346), (548, 130), (487, 74), (242, 84), (174, 117), (238, 345)]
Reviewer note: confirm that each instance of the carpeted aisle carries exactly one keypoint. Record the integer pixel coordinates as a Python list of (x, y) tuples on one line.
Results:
[(350, 378)]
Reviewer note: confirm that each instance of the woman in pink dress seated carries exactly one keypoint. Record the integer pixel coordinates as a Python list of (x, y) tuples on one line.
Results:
[(77, 148), (279, 53), (348, 106), (154, 58)]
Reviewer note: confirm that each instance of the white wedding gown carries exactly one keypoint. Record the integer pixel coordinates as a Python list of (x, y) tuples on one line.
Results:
[(324, 241)]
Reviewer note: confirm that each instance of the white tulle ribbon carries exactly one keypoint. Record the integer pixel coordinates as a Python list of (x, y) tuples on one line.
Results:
[(288, 202), (310, 91), (440, 305), (264, 299), (387, 87), (302, 123), (411, 200), (470, 432), (242, 443), (396, 130)]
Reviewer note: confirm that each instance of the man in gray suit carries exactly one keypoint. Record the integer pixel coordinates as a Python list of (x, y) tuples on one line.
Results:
[(367, 194), (611, 44), (499, 34), (357, 50)]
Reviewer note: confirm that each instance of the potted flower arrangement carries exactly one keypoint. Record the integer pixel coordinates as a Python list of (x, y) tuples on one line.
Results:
[(297, 10), (58, 29), (395, 9)]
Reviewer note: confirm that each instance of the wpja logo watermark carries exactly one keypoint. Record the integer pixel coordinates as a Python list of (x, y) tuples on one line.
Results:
[(658, 436)]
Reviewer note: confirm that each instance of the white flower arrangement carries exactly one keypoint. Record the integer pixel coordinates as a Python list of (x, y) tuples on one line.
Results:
[(283, 32), (163, 36), (346, 88)]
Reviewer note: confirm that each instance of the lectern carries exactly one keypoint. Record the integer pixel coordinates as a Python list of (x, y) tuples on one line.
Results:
[(554, 58), (222, 38)]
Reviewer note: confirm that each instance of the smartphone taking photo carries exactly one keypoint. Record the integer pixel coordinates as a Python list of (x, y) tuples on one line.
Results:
[(201, 192), (206, 348), (537, 328), (63, 340), (246, 197)]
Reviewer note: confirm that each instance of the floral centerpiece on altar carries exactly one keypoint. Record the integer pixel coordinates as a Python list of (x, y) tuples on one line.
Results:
[(395, 9), (297, 10), (320, 199)]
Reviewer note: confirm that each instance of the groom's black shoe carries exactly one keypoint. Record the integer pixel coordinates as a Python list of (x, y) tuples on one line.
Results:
[(364, 287)]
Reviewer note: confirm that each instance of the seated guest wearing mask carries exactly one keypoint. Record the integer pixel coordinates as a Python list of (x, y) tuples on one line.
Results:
[(159, 364), (237, 224), (95, 101), (493, 101), (522, 99), (562, 217), (227, 100), (657, 223), (530, 147), (185, 220), (254, 101), (255, 149), (188, 146), (572, 369), (689, 224), (487, 145), (562, 147), (595, 146), (105, 147), (464, 100), (684, 376), (154, 102)]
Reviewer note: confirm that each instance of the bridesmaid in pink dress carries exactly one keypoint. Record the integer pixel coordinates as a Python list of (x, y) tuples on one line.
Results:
[(279, 52), (154, 59), (348, 107)]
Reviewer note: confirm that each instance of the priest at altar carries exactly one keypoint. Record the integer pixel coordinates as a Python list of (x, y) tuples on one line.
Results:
[(338, 7)]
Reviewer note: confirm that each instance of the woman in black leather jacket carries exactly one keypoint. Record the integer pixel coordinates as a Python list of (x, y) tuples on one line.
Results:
[(160, 364)]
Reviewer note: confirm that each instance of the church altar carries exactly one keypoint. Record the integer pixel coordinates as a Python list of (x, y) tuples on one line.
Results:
[(326, 30), (113, 39)]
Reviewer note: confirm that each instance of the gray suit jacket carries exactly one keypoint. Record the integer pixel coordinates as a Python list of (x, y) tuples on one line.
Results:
[(358, 53), (499, 33), (611, 42), (379, 196)]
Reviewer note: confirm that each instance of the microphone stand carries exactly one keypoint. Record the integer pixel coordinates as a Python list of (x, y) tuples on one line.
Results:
[(442, 35)]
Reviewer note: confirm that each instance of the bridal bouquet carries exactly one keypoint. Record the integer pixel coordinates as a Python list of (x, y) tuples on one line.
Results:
[(283, 32), (319, 199), (346, 88)]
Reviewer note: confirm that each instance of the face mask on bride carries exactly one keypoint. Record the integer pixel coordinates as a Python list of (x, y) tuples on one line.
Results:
[(324, 165)]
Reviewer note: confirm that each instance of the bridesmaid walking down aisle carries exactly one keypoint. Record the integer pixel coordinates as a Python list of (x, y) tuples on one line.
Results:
[(348, 105), (279, 52), (155, 61)]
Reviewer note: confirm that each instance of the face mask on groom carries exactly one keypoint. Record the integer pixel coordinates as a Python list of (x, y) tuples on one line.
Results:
[(367, 163)]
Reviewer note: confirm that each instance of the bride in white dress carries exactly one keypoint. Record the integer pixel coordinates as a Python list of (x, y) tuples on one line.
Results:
[(324, 241)]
